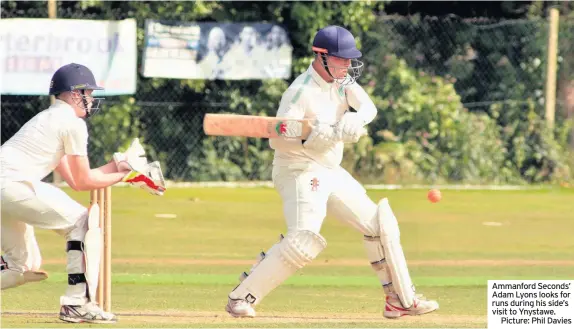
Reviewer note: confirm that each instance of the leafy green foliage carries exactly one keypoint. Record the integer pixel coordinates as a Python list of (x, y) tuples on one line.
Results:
[(112, 130), (533, 148), (424, 133), (496, 70)]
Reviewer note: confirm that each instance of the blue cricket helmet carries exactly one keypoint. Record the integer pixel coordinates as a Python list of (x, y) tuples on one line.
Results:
[(73, 77), (336, 41)]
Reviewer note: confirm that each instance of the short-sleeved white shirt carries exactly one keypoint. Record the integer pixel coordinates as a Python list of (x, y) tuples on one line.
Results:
[(37, 148)]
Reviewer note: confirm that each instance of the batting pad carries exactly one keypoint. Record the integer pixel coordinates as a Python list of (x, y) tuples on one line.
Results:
[(376, 256), (261, 257), (93, 250), (393, 252), (296, 250)]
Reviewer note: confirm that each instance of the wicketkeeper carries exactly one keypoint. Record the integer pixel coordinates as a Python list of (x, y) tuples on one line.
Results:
[(56, 139), (308, 176)]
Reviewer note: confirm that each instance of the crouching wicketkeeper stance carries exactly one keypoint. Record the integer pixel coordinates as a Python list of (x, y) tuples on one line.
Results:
[(56, 139), (308, 176)]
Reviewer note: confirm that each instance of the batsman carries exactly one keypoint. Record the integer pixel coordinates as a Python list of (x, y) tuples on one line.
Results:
[(56, 139), (311, 182)]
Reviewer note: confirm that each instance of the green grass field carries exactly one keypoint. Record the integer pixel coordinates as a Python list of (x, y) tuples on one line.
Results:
[(177, 272)]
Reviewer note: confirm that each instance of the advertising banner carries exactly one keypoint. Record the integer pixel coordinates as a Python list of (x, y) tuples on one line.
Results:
[(226, 51), (33, 49)]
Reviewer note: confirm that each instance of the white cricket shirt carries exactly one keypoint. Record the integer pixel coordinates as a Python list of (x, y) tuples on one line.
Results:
[(311, 97), (37, 148)]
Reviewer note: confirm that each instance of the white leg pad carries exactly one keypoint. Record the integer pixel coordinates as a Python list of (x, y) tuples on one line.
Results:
[(394, 262), (376, 256), (93, 250), (260, 257), (295, 251)]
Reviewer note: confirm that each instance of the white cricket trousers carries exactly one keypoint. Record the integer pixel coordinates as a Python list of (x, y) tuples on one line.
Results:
[(308, 195), (26, 205)]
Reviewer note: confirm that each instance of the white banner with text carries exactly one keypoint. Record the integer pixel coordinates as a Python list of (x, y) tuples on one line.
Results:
[(33, 49)]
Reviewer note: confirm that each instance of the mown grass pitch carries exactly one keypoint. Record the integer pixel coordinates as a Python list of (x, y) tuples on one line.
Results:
[(177, 272)]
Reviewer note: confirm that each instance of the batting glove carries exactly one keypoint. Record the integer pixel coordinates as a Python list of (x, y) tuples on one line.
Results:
[(322, 137), (351, 127)]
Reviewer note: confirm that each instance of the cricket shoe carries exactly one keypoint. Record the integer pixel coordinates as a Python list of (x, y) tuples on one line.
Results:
[(239, 308), (90, 313), (394, 308)]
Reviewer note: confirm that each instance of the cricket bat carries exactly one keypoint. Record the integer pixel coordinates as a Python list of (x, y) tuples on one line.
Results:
[(255, 126)]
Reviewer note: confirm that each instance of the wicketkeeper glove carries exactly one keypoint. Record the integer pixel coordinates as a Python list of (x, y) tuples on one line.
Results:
[(135, 155), (149, 178)]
